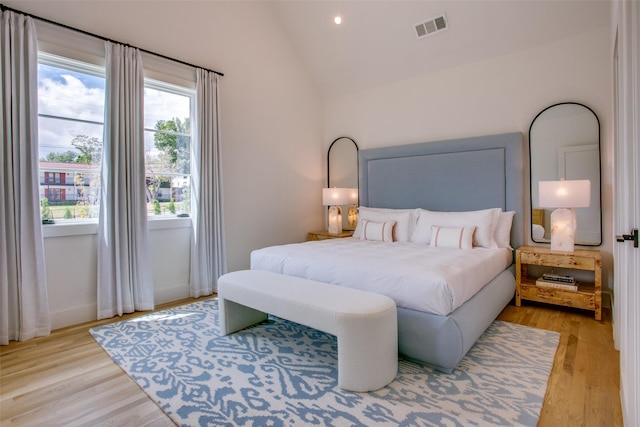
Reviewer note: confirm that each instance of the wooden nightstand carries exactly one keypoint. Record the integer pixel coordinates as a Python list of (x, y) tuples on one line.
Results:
[(588, 296), (324, 235)]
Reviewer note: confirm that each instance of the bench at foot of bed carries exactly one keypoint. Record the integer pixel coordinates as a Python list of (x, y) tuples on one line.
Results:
[(364, 323)]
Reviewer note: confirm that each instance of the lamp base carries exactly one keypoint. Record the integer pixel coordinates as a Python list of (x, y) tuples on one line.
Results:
[(352, 217), (563, 230), (335, 220)]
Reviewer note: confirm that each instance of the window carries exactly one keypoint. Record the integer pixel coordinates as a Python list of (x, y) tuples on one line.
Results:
[(167, 134), (70, 128), (71, 97)]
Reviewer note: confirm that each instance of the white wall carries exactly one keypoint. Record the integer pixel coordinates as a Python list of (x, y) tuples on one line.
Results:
[(271, 129), (502, 94), (71, 278), (71, 265)]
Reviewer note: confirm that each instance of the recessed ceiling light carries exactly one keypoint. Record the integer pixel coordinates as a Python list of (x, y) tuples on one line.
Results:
[(337, 20)]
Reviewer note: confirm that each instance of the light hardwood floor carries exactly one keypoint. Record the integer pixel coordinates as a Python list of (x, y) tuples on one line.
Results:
[(66, 379)]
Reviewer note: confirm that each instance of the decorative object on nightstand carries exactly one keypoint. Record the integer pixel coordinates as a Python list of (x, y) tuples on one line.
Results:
[(556, 288), (564, 195), (334, 198)]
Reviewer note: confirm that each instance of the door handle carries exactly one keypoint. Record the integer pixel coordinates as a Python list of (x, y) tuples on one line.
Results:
[(633, 236)]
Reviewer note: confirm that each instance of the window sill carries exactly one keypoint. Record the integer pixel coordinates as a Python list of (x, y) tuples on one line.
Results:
[(64, 228), (164, 222), (70, 227)]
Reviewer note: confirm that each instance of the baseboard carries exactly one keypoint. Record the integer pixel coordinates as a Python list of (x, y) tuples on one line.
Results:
[(607, 300), (614, 324), (170, 294), (74, 316), (88, 313)]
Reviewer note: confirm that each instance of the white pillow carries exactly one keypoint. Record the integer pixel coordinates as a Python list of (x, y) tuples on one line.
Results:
[(502, 235), (405, 221), (452, 237), (484, 220), (380, 231)]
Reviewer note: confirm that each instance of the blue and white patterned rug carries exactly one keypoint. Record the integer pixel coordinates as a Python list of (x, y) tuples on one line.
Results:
[(281, 373)]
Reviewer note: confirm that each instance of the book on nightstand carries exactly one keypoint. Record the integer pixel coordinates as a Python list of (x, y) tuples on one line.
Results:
[(558, 278), (573, 286)]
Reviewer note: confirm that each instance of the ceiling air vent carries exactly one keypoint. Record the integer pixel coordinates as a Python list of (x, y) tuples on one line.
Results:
[(431, 26)]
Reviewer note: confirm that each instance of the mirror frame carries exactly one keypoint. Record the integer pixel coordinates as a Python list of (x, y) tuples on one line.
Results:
[(329, 162), (599, 173)]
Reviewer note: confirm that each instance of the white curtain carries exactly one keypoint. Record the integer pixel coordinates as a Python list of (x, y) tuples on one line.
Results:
[(24, 308), (124, 265), (208, 258)]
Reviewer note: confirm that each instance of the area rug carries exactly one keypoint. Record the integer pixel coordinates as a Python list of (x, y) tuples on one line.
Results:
[(280, 373)]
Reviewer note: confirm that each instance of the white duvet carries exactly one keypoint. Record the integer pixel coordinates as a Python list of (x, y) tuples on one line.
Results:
[(416, 276)]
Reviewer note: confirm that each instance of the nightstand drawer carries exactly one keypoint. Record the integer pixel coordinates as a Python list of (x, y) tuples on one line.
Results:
[(560, 261)]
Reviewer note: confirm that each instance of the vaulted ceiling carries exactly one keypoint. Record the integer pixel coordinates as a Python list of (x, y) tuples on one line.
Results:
[(376, 43)]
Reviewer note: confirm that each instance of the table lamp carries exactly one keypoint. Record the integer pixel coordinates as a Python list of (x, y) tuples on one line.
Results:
[(564, 196), (334, 197)]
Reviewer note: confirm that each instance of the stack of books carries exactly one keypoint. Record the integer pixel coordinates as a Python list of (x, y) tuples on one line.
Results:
[(550, 280)]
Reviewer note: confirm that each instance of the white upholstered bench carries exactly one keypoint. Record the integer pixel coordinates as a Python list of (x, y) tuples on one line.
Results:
[(365, 323)]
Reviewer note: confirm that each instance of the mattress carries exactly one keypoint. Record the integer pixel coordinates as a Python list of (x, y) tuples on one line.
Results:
[(415, 276)]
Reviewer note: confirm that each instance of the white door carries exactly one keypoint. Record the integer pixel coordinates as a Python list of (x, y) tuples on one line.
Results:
[(627, 206)]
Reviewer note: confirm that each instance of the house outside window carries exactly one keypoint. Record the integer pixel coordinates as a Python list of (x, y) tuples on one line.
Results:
[(55, 194)]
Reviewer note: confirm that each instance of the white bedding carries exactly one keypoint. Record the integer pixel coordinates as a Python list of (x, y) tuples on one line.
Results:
[(416, 276)]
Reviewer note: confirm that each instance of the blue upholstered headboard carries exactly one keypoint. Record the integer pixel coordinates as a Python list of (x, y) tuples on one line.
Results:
[(452, 175)]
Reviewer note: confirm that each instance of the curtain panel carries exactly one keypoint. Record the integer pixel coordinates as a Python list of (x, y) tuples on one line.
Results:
[(24, 308), (125, 282), (208, 255)]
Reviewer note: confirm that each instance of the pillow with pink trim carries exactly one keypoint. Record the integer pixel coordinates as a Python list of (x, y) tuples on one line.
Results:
[(380, 231), (452, 237)]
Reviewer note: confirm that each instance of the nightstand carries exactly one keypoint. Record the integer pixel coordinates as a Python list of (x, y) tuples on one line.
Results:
[(588, 296), (324, 235)]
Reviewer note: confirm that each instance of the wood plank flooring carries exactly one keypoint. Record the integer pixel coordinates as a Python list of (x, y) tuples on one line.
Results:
[(584, 387), (66, 379)]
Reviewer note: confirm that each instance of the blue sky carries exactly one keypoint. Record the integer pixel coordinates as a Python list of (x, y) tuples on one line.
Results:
[(55, 74), (77, 95)]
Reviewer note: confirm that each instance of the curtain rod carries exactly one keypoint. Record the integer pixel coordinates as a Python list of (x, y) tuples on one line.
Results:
[(3, 8)]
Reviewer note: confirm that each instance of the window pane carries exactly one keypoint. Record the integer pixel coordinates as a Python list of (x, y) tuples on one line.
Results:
[(165, 105), (70, 126), (71, 94), (167, 150)]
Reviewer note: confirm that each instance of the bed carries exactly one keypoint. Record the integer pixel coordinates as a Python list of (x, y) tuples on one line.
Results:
[(468, 177)]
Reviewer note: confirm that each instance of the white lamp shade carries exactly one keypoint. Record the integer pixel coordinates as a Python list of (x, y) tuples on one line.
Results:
[(337, 196), (353, 196), (565, 194)]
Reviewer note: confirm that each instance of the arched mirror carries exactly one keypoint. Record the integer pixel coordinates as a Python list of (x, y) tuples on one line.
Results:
[(342, 167), (564, 143)]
